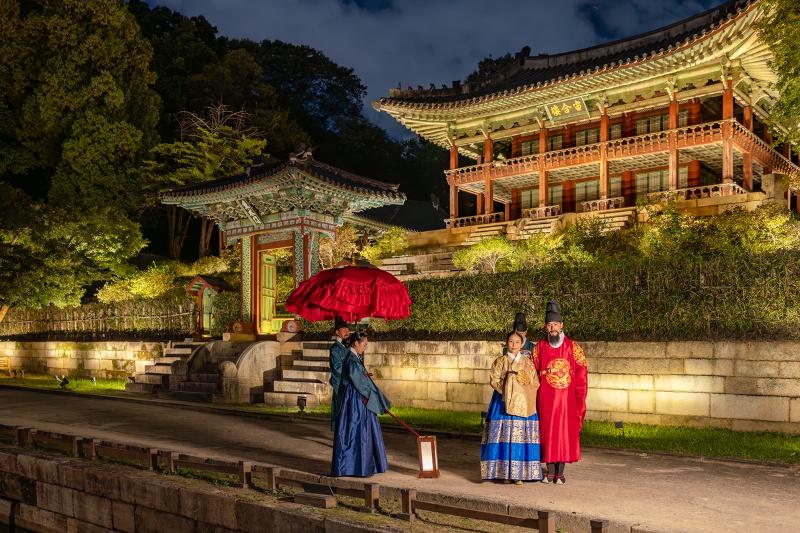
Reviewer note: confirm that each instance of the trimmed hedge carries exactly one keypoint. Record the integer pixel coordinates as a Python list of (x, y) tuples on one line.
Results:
[(726, 298)]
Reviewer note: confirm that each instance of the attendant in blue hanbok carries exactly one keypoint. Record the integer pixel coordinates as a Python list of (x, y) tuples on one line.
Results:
[(510, 444), (358, 443), (337, 355)]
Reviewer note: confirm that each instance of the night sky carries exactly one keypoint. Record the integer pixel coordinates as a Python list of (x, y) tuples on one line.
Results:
[(418, 42)]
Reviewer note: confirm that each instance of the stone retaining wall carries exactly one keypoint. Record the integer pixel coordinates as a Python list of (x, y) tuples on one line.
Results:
[(45, 493), (102, 359), (737, 385)]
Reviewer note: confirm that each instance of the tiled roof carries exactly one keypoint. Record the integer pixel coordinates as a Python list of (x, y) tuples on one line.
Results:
[(544, 69), (263, 170)]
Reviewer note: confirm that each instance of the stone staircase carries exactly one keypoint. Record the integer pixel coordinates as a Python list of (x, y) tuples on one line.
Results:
[(614, 219), (422, 263), (485, 231), (532, 226), (307, 376), (157, 377), (199, 379)]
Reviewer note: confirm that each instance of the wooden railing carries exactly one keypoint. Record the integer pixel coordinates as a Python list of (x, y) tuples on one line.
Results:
[(580, 155), (696, 193), (708, 132), (475, 220), (603, 204), (541, 212), (273, 478), (762, 151), (640, 144)]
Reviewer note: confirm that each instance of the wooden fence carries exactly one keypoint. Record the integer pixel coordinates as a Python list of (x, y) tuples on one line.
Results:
[(167, 316)]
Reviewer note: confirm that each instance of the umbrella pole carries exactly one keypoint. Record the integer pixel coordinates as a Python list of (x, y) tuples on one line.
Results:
[(403, 423)]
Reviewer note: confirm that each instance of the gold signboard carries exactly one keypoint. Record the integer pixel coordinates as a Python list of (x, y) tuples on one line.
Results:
[(568, 109)]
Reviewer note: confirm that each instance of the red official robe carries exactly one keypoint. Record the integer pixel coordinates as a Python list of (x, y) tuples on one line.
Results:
[(562, 399)]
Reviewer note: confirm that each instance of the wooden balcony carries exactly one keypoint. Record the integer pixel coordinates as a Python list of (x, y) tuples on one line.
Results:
[(603, 205), (541, 212), (474, 220), (627, 147), (696, 193)]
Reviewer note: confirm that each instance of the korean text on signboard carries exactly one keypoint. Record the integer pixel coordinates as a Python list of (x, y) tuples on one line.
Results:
[(566, 109)]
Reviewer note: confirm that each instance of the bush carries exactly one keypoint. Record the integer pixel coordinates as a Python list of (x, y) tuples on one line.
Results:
[(393, 242), (496, 254), (224, 312)]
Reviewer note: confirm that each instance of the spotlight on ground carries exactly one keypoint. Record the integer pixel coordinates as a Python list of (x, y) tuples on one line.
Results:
[(301, 403)]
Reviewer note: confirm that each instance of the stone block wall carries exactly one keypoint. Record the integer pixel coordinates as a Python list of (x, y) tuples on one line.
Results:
[(53, 494), (102, 359), (738, 385)]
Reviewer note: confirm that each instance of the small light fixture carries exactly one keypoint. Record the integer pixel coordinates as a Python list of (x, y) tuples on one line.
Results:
[(428, 457), (483, 418), (301, 403), (620, 426)]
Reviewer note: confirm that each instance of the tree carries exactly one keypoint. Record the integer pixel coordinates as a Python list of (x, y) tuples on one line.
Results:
[(219, 144), (495, 254), (344, 246), (390, 243), (778, 28), (77, 117)]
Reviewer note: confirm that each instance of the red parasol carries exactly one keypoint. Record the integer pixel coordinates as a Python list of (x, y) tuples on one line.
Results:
[(352, 293)]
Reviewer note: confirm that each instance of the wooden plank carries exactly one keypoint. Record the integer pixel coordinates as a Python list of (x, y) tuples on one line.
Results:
[(532, 523)]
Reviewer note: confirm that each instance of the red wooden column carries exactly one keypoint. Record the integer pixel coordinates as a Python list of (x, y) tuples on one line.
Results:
[(542, 171), (768, 140), (604, 155), (453, 186), (673, 144), (507, 210), (727, 132), (747, 157), (488, 192)]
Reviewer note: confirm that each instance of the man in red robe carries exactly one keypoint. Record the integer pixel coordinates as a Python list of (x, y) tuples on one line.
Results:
[(561, 365)]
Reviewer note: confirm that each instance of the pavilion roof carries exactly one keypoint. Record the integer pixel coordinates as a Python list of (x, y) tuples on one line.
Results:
[(533, 72), (279, 186)]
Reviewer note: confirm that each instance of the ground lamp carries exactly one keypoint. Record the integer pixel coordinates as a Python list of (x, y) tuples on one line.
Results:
[(426, 451), (301, 403), (620, 426)]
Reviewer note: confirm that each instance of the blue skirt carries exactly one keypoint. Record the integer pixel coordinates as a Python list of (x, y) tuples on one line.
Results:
[(358, 442), (510, 445)]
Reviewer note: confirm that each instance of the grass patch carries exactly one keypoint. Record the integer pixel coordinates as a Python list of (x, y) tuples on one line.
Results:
[(711, 442), (77, 384)]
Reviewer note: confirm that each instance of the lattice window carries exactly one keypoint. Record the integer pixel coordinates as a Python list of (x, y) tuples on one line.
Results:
[(554, 142), (530, 198), (555, 195), (529, 147), (615, 131), (587, 190), (589, 136), (614, 186)]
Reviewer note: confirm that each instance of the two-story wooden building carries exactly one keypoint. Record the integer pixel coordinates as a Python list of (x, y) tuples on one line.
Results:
[(679, 111)]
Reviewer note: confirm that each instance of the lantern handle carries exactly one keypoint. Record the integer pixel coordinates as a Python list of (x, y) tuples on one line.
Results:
[(403, 423)]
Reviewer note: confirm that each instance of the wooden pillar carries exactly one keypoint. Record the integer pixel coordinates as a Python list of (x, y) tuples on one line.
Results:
[(727, 132), (507, 210), (453, 200), (516, 203), (629, 125), (629, 187), (695, 112), (542, 171), (747, 157), (694, 174), (453, 157), (488, 192), (478, 204), (488, 150), (768, 140), (568, 196), (516, 150), (673, 145), (604, 155)]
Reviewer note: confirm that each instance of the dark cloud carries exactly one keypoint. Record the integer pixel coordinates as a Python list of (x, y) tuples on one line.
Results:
[(418, 42)]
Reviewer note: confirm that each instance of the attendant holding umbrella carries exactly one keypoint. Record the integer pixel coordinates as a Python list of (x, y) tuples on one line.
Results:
[(358, 448)]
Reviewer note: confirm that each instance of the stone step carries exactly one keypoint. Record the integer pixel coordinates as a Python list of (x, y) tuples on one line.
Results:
[(142, 388), (289, 399), (158, 368), (306, 387), (316, 353), (317, 365), (205, 377), (299, 366), (168, 360), (294, 373), (317, 346), (194, 386), (186, 396), (178, 351), (153, 379)]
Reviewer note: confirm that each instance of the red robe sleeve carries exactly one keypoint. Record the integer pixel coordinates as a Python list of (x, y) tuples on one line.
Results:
[(580, 381)]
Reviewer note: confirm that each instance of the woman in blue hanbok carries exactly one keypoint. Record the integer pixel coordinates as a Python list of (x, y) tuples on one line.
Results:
[(510, 444), (358, 443)]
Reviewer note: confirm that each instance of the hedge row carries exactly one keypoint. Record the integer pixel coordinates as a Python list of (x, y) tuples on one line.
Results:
[(730, 298)]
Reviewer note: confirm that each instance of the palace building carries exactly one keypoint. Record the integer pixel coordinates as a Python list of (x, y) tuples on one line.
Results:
[(677, 112), (280, 206)]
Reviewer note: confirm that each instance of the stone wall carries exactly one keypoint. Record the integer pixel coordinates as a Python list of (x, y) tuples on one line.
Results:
[(102, 359), (45, 493), (737, 385)]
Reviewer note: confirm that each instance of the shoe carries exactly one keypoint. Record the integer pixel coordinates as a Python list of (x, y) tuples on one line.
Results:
[(518, 482), (549, 478), (561, 480), (506, 481)]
